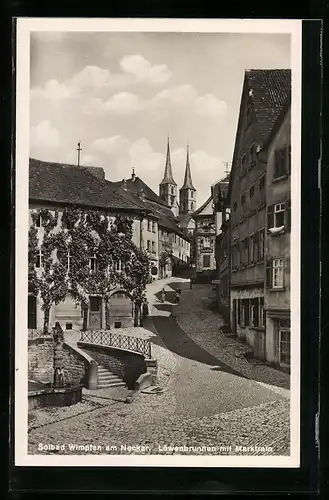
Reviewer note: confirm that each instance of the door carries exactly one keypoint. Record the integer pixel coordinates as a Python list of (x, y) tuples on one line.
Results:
[(95, 313), (32, 312)]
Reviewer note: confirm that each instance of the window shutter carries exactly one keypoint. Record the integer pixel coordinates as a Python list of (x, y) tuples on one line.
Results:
[(288, 216), (268, 277), (270, 217), (246, 313)]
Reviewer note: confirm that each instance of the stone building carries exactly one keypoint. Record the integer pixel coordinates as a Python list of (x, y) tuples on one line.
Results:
[(277, 240), (263, 96), (222, 251), (55, 187), (205, 237)]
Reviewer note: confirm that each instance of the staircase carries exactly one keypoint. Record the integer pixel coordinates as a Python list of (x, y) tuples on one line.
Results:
[(108, 379)]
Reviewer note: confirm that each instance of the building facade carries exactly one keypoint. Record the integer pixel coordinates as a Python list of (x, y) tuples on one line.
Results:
[(205, 237), (54, 189), (278, 243), (263, 97)]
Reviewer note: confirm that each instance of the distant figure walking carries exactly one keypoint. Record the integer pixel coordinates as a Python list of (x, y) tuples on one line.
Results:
[(163, 295), (177, 295), (145, 308)]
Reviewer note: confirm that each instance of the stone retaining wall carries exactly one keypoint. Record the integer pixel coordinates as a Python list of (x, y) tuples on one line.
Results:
[(40, 359), (126, 365)]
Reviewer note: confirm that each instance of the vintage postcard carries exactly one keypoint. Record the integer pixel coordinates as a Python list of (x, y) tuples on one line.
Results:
[(157, 234)]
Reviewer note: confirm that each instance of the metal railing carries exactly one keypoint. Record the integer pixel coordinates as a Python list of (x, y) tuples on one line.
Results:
[(111, 339)]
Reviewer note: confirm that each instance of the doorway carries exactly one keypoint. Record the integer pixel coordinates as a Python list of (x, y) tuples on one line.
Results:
[(95, 313)]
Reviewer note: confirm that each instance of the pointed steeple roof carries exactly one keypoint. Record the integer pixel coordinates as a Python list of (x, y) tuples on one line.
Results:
[(168, 177), (188, 177)]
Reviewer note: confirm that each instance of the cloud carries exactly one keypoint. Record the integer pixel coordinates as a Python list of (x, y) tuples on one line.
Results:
[(52, 90), (180, 95), (123, 103), (109, 145), (209, 105), (92, 77), (44, 136), (144, 158), (143, 71)]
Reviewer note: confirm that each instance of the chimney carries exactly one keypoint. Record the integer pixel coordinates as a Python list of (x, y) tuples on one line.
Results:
[(133, 175)]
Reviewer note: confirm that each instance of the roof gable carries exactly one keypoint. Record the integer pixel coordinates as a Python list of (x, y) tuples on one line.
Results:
[(73, 185), (205, 209), (267, 92)]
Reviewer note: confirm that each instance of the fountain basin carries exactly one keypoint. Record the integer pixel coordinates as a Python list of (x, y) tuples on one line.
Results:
[(53, 396)]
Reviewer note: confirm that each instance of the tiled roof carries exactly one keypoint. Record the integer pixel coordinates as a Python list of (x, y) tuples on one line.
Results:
[(268, 89), (73, 185), (199, 210), (137, 185), (165, 216)]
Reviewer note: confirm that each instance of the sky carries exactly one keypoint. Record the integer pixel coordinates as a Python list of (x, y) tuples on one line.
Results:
[(123, 94)]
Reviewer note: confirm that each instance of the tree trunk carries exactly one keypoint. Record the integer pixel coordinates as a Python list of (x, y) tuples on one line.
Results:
[(46, 322), (85, 318), (107, 315)]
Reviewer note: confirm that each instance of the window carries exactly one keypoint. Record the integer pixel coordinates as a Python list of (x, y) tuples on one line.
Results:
[(251, 248), (93, 263), (235, 206), (118, 266), (274, 273), (192, 205), (261, 244), (284, 346), (244, 313), (277, 273), (281, 162), (278, 215), (172, 190), (149, 225), (246, 251), (254, 312), (38, 221), (242, 252), (255, 251), (153, 247), (191, 194), (207, 242), (172, 199), (251, 191), (39, 259), (206, 261)]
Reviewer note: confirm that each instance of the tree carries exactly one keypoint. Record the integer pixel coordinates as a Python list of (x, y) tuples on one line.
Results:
[(87, 254)]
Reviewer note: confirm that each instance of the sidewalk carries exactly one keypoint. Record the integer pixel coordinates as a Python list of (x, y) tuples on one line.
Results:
[(203, 326)]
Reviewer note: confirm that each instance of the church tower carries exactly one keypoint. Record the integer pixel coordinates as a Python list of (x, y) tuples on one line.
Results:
[(187, 193), (168, 187)]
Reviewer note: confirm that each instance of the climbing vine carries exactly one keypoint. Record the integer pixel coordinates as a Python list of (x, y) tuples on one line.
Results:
[(87, 254)]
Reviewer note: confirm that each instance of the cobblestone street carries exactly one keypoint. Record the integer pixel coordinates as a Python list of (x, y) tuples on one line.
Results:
[(213, 400)]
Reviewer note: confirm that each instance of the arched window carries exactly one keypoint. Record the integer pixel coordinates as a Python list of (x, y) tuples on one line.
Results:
[(191, 194), (172, 190)]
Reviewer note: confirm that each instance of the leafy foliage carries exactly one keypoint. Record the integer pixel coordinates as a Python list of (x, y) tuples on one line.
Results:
[(82, 236)]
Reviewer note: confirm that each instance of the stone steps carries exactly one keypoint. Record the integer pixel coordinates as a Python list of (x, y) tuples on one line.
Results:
[(108, 379)]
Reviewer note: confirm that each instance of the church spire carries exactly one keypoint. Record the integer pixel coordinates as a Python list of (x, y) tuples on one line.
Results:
[(188, 177), (168, 177)]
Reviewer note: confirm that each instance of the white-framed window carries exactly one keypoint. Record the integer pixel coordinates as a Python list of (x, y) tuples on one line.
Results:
[(284, 346), (39, 259), (279, 210), (118, 266), (93, 263), (277, 273)]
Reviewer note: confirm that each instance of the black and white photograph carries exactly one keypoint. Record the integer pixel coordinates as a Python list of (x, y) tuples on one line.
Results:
[(157, 242)]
